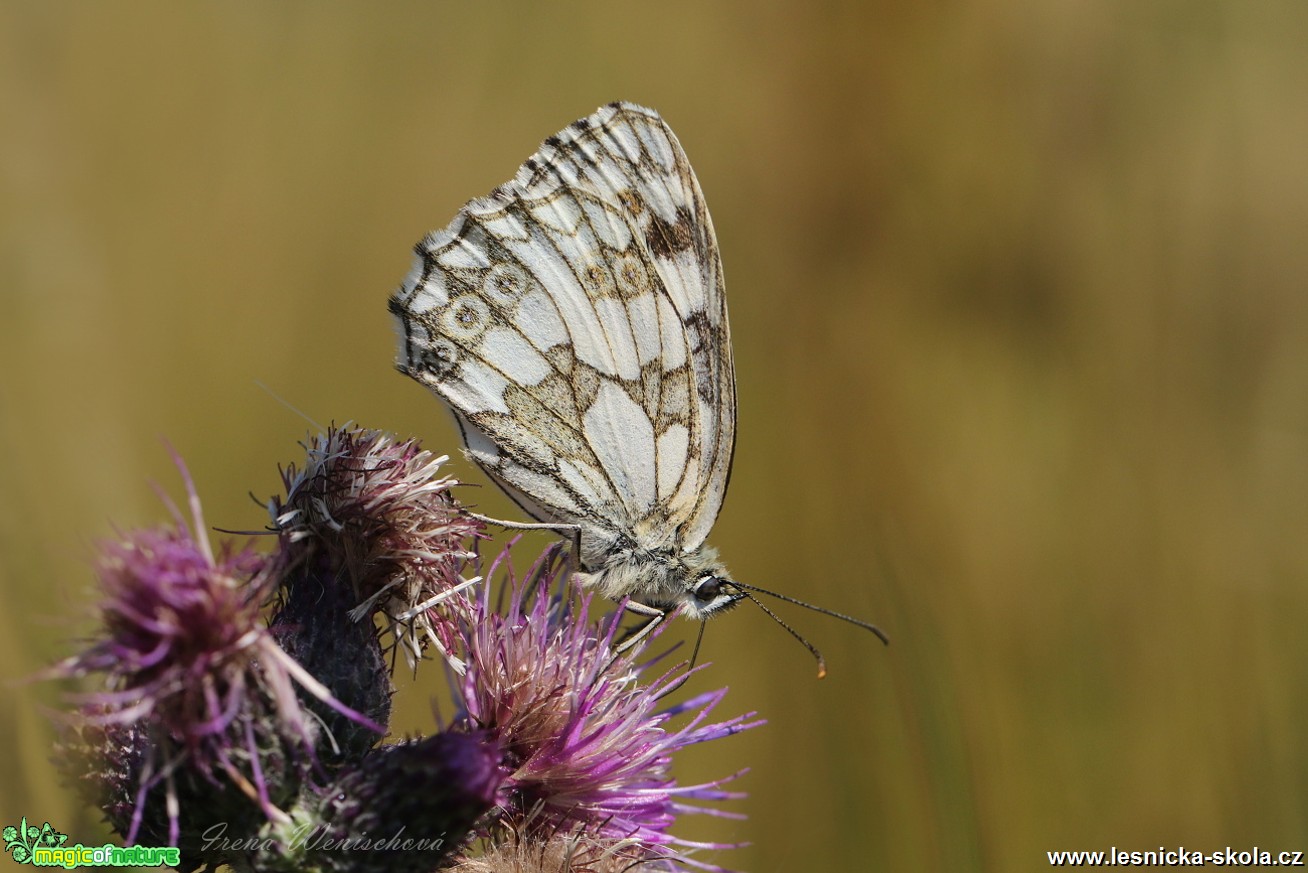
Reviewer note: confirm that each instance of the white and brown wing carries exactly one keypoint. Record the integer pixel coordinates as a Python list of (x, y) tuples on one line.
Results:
[(574, 321)]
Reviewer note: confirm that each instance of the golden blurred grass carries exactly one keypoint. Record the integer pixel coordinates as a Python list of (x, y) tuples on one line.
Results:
[(1018, 297)]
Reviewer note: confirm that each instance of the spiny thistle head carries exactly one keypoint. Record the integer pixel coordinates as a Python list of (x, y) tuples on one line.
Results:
[(588, 747), (375, 514), (562, 853), (208, 712), (408, 808), (194, 714), (182, 628)]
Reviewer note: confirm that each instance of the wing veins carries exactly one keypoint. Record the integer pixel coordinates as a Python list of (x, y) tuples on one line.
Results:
[(640, 248), (520, 200)]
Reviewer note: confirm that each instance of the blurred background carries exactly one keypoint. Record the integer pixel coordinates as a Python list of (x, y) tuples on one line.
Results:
[(1018, 299)]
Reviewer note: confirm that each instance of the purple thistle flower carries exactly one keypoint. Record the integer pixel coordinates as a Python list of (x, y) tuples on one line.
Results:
[(375, 513), (587, 748), (559, 759), (574, 853), (197, 701), (180, 622)]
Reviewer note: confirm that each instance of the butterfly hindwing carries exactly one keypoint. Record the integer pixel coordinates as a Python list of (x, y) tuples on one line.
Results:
[(574, 321)]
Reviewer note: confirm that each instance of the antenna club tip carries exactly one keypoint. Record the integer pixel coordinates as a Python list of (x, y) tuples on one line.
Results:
[(822, 670)]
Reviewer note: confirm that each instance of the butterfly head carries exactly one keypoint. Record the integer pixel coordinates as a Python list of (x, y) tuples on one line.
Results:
[(691, 583), (698, 586), (709, 593), (694, 583)]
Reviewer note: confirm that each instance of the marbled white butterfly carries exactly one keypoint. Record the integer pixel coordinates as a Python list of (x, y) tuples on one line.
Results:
[(574, 321)]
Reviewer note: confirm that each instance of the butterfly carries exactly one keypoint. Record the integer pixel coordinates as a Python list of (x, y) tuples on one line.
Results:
[(574, 321)]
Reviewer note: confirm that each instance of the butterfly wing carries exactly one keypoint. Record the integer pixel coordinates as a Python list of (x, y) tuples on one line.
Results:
[(574, 321)]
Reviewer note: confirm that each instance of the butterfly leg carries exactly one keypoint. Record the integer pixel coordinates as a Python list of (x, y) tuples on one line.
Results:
[(653, 618), (690, 667), (573, 531)]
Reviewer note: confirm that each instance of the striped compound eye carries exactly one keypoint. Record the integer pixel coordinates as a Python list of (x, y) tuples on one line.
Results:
[(707, 589)]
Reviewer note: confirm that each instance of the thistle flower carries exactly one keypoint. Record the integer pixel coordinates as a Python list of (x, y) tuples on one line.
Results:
[(197, 701), (374, 513), (576, 853), (558, 759), (587, 748)]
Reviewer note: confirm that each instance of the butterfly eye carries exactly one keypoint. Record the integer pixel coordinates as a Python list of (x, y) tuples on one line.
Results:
[(708, 588)]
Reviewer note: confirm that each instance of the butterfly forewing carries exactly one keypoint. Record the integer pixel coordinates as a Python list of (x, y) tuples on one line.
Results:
[(574, 321)]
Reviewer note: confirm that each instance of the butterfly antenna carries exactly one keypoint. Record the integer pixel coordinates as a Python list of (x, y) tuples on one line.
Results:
[(881, 635), (822, 664)]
